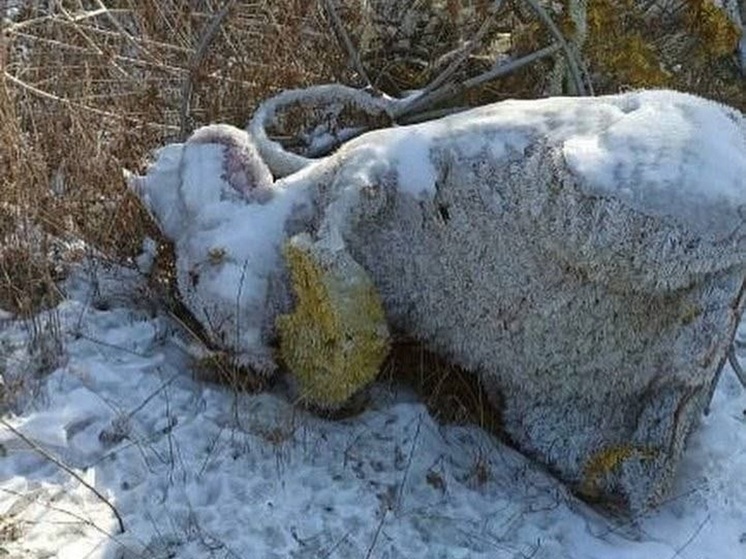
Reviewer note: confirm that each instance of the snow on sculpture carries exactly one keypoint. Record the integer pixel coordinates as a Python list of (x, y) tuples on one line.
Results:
[(213, 197), (584, 257)]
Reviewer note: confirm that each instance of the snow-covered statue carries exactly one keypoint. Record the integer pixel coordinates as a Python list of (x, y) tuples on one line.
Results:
[(585, 257)]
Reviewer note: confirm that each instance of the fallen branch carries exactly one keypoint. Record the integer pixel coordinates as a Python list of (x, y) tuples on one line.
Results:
[(425, 102)]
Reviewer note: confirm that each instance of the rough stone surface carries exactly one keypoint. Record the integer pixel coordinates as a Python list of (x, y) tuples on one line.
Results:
[(599, 322), (596, 307)]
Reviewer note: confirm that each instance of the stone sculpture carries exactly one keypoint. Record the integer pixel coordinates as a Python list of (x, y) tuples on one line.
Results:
[(584, 257)]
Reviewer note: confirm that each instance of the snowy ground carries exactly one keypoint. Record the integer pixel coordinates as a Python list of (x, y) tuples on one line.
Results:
[(198, 471)]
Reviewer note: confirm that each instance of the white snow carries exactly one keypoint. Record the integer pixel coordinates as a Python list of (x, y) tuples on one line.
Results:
[(663, 153), (416, 171), (665, 147), (196, 470), (226, 248)]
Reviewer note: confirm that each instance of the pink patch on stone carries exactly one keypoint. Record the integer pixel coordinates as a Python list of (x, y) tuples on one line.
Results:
[(243, 167)]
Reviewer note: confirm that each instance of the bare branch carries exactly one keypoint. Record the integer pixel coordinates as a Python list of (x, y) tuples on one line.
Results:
[(344, 38), (187, 89), (572, 61), (466, 51)]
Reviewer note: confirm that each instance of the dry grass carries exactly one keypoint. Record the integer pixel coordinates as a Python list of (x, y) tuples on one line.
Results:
[(91, 87), (451, 394), (88, 89)]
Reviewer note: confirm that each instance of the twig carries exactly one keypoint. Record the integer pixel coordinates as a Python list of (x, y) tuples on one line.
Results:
[(46, 454), (160, 65), (333, 548), (572, 61), (15, 27), (409, 464), (377, 534), (80, 31), (102, 343), (511, 66), (736, 366), (239, 293), (688, 542), (51, 97), (187, 88), (432, 115), (147, 400), (344, 38), (123, 32)]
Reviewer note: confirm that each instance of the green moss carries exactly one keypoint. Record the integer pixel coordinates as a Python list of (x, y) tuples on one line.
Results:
[(336, 339), (687, 49)]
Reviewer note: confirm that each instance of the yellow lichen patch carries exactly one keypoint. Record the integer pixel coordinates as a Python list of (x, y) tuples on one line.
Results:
[(718, 35), (607, 461), (690, 313), (336, 339)]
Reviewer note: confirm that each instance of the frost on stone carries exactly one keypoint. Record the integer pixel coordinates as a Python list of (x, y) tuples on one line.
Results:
[(321, 118), (584, 257)]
